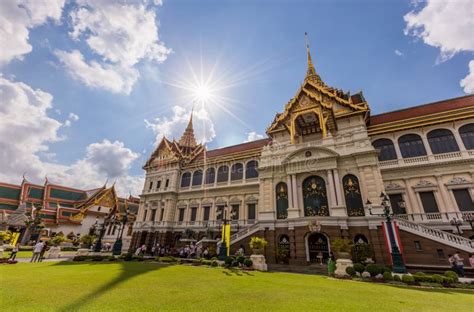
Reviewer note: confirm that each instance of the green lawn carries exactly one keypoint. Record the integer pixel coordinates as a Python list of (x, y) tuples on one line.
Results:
[(67, 286)]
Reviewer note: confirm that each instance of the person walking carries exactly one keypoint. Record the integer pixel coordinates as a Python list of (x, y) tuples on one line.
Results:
[(43, 251), (37, 251), (459, 263), (331, 264), (452, 263), (471, 260), (14, 252)]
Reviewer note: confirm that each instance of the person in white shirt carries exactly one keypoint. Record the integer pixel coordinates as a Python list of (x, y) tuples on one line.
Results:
[(37, 251), (459, 263)]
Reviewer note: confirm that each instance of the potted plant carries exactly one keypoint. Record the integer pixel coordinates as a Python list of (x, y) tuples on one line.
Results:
[(343, 247), (283, 254), (257, 244)]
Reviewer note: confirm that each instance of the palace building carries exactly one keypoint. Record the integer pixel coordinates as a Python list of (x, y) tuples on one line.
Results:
[(63, 209), (312, 179)]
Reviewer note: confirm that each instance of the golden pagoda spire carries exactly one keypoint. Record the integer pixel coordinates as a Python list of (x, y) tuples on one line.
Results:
[(311, 71), (188, 139)]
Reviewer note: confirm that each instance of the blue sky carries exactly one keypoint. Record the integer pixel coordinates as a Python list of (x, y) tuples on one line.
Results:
[(259, 44)]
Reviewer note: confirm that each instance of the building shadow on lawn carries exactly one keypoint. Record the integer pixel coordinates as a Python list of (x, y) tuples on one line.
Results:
[(433, 290), (127, 272)]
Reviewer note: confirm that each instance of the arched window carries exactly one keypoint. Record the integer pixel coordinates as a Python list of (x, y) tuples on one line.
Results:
[(210, 176), (411, 145), (197, 177), (282, 200), (442, 141), (467, 135), (186, 179), (251, 170), (237, 172), (223, 174), (354, 204), (385, 148), (315, 197), (360, 239), (283, 251)]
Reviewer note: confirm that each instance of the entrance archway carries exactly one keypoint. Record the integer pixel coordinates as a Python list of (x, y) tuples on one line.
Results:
[(317, 248)]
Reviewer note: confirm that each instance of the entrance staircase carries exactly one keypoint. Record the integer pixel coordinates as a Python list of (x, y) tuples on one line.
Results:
[(244, 233), (439, 236)]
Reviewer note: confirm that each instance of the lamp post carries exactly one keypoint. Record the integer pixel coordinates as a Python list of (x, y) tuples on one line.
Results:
[(469, 218), (397, 259), (117, 249), (457, 223), (223, 248), (102, 228)]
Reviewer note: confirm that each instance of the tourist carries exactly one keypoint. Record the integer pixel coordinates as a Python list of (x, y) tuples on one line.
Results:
[(205, 253), (36, 251), (241, 250), (471, 260), (459, 263), (199, 251), (452, 263), (43, 251), (138, 251), (14, 252), (331, 264), (143, 250)]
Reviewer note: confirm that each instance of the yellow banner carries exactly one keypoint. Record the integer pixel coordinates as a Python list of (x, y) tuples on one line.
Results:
[(226, 235), (15, 237)]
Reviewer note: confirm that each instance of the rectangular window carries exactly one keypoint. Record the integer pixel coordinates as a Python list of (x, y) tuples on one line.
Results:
[(395, 199), (417, 245), (251, 211), (440, 253), (220, 212), (207, 211), (463, 199), (167, 183), (144, 215), (130, 230), (153, 214), (158, 185), (151, 185), (193, 214), (235, 212), (428, 201), (181, 215), (162, 214)]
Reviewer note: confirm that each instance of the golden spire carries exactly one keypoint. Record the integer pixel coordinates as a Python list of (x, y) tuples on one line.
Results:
[(311, 71), (188, 139)]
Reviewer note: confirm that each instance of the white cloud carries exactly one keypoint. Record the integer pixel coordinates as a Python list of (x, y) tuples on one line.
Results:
[(398, 52), (253, 136), (73, 117), (468, 82), (26, 131), (121, 34), (173, 127), (114, 78), (16, 20), (447, 25)]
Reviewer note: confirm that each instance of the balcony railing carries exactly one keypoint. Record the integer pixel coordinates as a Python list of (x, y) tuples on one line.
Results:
[(234, 224), (413, 161)]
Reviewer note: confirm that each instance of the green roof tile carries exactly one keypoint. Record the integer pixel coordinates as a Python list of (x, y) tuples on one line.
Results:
[(9, 192), (8, 207), (68, 195), (36, 193)]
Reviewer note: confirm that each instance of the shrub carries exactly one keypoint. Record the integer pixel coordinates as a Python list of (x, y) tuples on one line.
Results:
[(359, 267), (196, 262), (408, 279), (111, 258), (127, 257), (79, 258), (228, 261), (448, 280), (397, 278), (360, 252), (57, 240), (214, 263), (386, 269), (137, 258), (387, 276), (235, 263), (87, 240), (350, 270), (257, 242), (167, 259), (206, 262), (436, 278), (97, 258), (422, 277), (241, 259), (342, 245), (5, 236), (248, 263), (452, 275), (374, 269)]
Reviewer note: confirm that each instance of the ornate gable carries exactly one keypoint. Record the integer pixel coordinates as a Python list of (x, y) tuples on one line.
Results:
[(315, 107)]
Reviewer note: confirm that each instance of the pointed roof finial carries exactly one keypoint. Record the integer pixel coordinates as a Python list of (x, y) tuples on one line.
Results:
[(311, 71), (188, 139)]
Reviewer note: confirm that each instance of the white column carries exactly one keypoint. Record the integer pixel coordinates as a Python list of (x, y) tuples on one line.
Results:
[(295, 191), (426, 144), (338, 188), (332, 193), (289, 186), (459, 140), (447, 205)]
